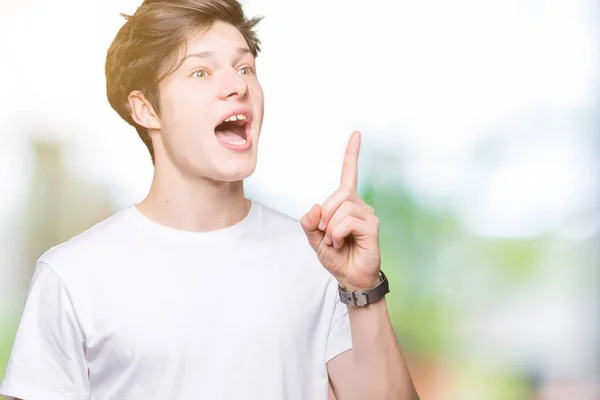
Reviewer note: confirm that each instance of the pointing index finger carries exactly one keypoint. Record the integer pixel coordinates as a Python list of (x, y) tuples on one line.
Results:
[(350, 167)]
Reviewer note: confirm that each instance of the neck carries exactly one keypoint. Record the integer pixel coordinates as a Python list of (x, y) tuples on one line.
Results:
[(194, 204)]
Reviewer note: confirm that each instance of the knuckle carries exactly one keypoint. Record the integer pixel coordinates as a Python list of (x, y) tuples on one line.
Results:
[(335, 233), (376, 221), (348, 205), (352, 222), (327, 212)]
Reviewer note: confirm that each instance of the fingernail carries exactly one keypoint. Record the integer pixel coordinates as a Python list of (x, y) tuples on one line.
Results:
[(328, 240), (321, 225), (336, 245)]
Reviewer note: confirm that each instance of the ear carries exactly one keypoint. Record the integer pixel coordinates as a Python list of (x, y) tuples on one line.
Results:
[(142, 111)]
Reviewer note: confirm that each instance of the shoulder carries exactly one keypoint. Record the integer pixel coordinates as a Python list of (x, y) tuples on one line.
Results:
[(98, 240)]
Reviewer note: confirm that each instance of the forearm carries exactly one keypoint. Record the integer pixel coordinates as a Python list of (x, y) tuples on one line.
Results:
[(380, 368)]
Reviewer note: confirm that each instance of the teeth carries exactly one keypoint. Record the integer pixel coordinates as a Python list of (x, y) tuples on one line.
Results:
[(238, 117), (239, 142)]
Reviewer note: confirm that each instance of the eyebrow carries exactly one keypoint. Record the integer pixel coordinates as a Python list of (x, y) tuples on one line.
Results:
[(242, 51)]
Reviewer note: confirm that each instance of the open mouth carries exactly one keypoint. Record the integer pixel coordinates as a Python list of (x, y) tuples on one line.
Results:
[(233, 130)]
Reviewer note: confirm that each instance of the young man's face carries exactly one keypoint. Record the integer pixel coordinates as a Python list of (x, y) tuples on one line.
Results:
[(217, 81)]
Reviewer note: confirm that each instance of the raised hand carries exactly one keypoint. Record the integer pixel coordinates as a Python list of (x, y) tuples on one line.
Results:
[(344, 231)]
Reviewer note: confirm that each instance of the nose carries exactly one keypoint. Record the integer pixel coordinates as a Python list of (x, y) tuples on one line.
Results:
[(234, 86)]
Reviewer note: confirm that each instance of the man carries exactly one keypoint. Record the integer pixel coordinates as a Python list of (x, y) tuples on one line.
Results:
[(197, 292)]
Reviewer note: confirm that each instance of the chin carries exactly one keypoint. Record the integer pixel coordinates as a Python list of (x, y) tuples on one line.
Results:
[(235, 173)]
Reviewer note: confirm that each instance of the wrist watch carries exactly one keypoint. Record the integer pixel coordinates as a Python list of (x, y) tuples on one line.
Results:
[(365, 297)]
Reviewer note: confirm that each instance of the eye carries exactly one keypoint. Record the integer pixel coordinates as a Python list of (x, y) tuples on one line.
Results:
[(201, 73), (246, 71)]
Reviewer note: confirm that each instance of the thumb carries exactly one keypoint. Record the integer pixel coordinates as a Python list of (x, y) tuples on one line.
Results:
[(310, 223)]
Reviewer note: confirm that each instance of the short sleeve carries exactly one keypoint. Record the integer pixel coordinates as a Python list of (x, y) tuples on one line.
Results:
[(339, 339), (47, 360)]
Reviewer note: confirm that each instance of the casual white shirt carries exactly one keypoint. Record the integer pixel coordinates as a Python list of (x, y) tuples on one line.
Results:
[(131, 309)]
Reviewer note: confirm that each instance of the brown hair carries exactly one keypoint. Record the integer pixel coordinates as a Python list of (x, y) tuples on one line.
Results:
[(146, 46)]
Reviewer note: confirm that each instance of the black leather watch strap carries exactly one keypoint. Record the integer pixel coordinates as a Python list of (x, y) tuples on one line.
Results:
[(365, 297)]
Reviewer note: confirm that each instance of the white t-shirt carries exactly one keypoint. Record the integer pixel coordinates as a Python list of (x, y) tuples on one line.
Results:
[(131, 309)]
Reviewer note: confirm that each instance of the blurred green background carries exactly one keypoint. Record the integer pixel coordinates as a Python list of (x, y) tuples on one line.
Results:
[(481, 157)]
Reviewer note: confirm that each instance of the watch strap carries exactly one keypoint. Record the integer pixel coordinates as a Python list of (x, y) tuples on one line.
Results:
[(365, 297)]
